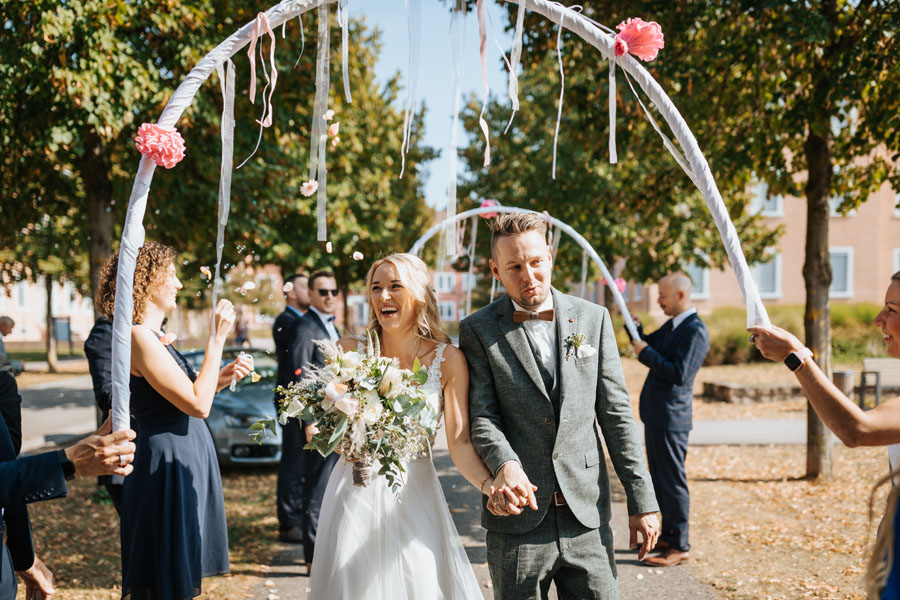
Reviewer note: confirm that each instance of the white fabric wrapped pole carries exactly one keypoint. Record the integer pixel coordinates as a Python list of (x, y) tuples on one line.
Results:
[(319, 137), (562, 89), (515, 57), (613, 155), (414, 29), (457, 34), (344, 18)]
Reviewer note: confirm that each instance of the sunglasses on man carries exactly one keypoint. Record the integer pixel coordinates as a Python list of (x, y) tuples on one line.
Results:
[(325, 293)]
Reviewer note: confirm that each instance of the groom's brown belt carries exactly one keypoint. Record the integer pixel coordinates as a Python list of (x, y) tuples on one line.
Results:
[(559, 499)]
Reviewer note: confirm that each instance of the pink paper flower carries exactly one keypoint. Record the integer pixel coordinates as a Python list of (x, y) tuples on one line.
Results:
[(162, 145), (486, 203), (620, 283), (335, 141), (308, 188), (333, 129), (639, 38), (329, 115), (168, 338)]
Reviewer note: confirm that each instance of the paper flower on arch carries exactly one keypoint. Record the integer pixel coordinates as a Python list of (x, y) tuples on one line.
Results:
[(620, 283), (486, 203), (162, 145), (639, 38)]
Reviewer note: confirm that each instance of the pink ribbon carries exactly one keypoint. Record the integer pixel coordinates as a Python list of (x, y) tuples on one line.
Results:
[(260, 28)]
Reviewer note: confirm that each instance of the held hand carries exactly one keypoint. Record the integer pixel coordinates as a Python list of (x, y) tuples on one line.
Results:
[(38, 581), (310, 430), (647, 524), (234, 371), (774, 342), (103, 453), (223, 317), (638, 345), (512, 489)]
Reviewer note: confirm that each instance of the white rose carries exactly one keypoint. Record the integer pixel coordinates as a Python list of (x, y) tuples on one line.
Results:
[(372, 412), (392, 382), (351, 360)]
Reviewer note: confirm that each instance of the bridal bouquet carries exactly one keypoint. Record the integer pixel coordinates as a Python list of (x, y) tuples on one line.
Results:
[(366, 408)]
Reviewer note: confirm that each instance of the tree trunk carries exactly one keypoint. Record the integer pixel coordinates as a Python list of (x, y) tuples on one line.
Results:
[(98, 195), (52, 357), (817, 276)]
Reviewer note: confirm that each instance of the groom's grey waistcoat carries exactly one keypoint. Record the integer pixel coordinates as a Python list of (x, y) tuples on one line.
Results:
[(512, 417)]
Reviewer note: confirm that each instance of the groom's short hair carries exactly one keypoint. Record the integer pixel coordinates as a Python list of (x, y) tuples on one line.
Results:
[(508, 224)]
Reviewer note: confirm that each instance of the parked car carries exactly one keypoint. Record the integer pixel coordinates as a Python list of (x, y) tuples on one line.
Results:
[(232, 413)]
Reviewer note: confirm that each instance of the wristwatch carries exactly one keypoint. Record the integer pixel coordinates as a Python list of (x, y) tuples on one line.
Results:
[(68, 467), (796, 358)]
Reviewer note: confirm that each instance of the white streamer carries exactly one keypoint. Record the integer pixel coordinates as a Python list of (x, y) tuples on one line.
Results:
[(457, 36), (562, 89), (515, 59), (482, 47), (413, 26), (470, 275), (302, 40), (226, 82), (613, 156), (344, 20)]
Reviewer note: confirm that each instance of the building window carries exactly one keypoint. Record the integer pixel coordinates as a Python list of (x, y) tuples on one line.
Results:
[(763, 204), (834, 204), (448, 310), (469, 281), (22, 295), (443, 282), (637, 292), (699, 281), (841, 272), (768, 278)]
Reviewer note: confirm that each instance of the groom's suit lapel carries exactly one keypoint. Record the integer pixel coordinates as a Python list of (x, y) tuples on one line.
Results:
[(566, 325), (515, 337)]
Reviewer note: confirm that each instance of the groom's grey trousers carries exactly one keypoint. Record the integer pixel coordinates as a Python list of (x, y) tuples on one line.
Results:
[(579, 560)]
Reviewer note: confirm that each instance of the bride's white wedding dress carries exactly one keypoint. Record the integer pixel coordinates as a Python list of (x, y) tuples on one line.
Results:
[(373, 545)]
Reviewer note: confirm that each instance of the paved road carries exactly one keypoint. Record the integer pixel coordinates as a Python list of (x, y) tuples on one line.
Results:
[(287, 579), (56, 412)]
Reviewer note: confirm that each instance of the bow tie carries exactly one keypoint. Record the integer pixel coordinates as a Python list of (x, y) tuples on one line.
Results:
[(520, 316)]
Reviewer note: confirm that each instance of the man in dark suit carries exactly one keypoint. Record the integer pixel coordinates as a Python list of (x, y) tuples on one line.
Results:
[(287, 352), (43, 477), (10, 400), (674, 353), (317, 324)]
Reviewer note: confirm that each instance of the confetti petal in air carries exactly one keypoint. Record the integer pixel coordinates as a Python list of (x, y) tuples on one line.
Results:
[(248, 285), (639, 38), (287, 287), (297, 371), (328, 247), (486, 203), (329, 115), (308, 188), (335, 141), (333, 129), (206, 272), (358, 255), (254, 376)]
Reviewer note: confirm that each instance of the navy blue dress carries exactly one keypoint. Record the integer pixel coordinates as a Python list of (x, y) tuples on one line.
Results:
[(892, 587), (173, 511)]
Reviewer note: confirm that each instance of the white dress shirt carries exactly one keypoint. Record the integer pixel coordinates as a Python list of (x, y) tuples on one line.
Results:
[(328, 320), (543, 334), (680, 317)]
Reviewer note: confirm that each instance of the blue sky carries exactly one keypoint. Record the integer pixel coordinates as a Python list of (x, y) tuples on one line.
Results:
[(435, 69)]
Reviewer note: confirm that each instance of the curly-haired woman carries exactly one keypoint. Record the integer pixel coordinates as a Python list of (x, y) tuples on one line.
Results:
[(173, 510)]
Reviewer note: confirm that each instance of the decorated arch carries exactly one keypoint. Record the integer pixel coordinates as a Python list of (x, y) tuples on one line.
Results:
[(161, 145)]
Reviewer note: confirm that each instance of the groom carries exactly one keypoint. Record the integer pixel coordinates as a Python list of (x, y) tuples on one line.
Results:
[(544, 370)]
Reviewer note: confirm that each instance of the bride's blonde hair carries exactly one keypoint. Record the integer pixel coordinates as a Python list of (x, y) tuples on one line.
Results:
[(882, 559), (416, 278)]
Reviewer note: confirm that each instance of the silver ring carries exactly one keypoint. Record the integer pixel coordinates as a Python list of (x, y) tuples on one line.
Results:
[(753, 338), (122, 461)]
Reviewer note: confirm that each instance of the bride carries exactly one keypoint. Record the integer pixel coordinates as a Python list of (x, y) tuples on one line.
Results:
[(370, 543)]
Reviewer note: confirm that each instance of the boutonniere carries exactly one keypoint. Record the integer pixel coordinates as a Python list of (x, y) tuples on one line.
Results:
[(575, 345)]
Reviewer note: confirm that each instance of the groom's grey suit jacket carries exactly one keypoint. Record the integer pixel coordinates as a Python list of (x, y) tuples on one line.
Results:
[(512, 417)]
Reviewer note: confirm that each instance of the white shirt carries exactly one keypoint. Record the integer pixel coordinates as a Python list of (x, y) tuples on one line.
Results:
[(543, 334), (328, 320), (680, 317)]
